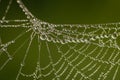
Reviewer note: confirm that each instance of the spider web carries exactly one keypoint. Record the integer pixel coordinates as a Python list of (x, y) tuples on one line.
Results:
[(40, 50)]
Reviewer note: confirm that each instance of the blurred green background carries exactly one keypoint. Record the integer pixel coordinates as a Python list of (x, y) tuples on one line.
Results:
[(52, 11), (75, 11)]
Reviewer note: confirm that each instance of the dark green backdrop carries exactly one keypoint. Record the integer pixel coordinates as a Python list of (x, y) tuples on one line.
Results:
[(53, 11)]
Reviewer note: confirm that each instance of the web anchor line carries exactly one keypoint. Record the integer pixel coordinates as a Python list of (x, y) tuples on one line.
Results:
[(73, 51)]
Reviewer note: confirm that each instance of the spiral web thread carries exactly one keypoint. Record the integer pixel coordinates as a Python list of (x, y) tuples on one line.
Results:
[(86, 52)]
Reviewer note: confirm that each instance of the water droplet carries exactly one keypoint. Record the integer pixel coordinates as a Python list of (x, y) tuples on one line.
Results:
[(49, 38), (73, 40), (22, 64), (18, 1), (28, 17), (57, 40), (101, 36), (113, 37), (1, 21), (86, 40), (62, 41), (13, 41), (93, 39), (21, 6), (43, 37), (81, 40), (10, 58), (77, 40), (106, 36), (54, 40), (97, 37)]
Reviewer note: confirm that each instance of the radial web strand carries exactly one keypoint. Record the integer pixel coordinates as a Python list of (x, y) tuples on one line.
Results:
[(33, 49)]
